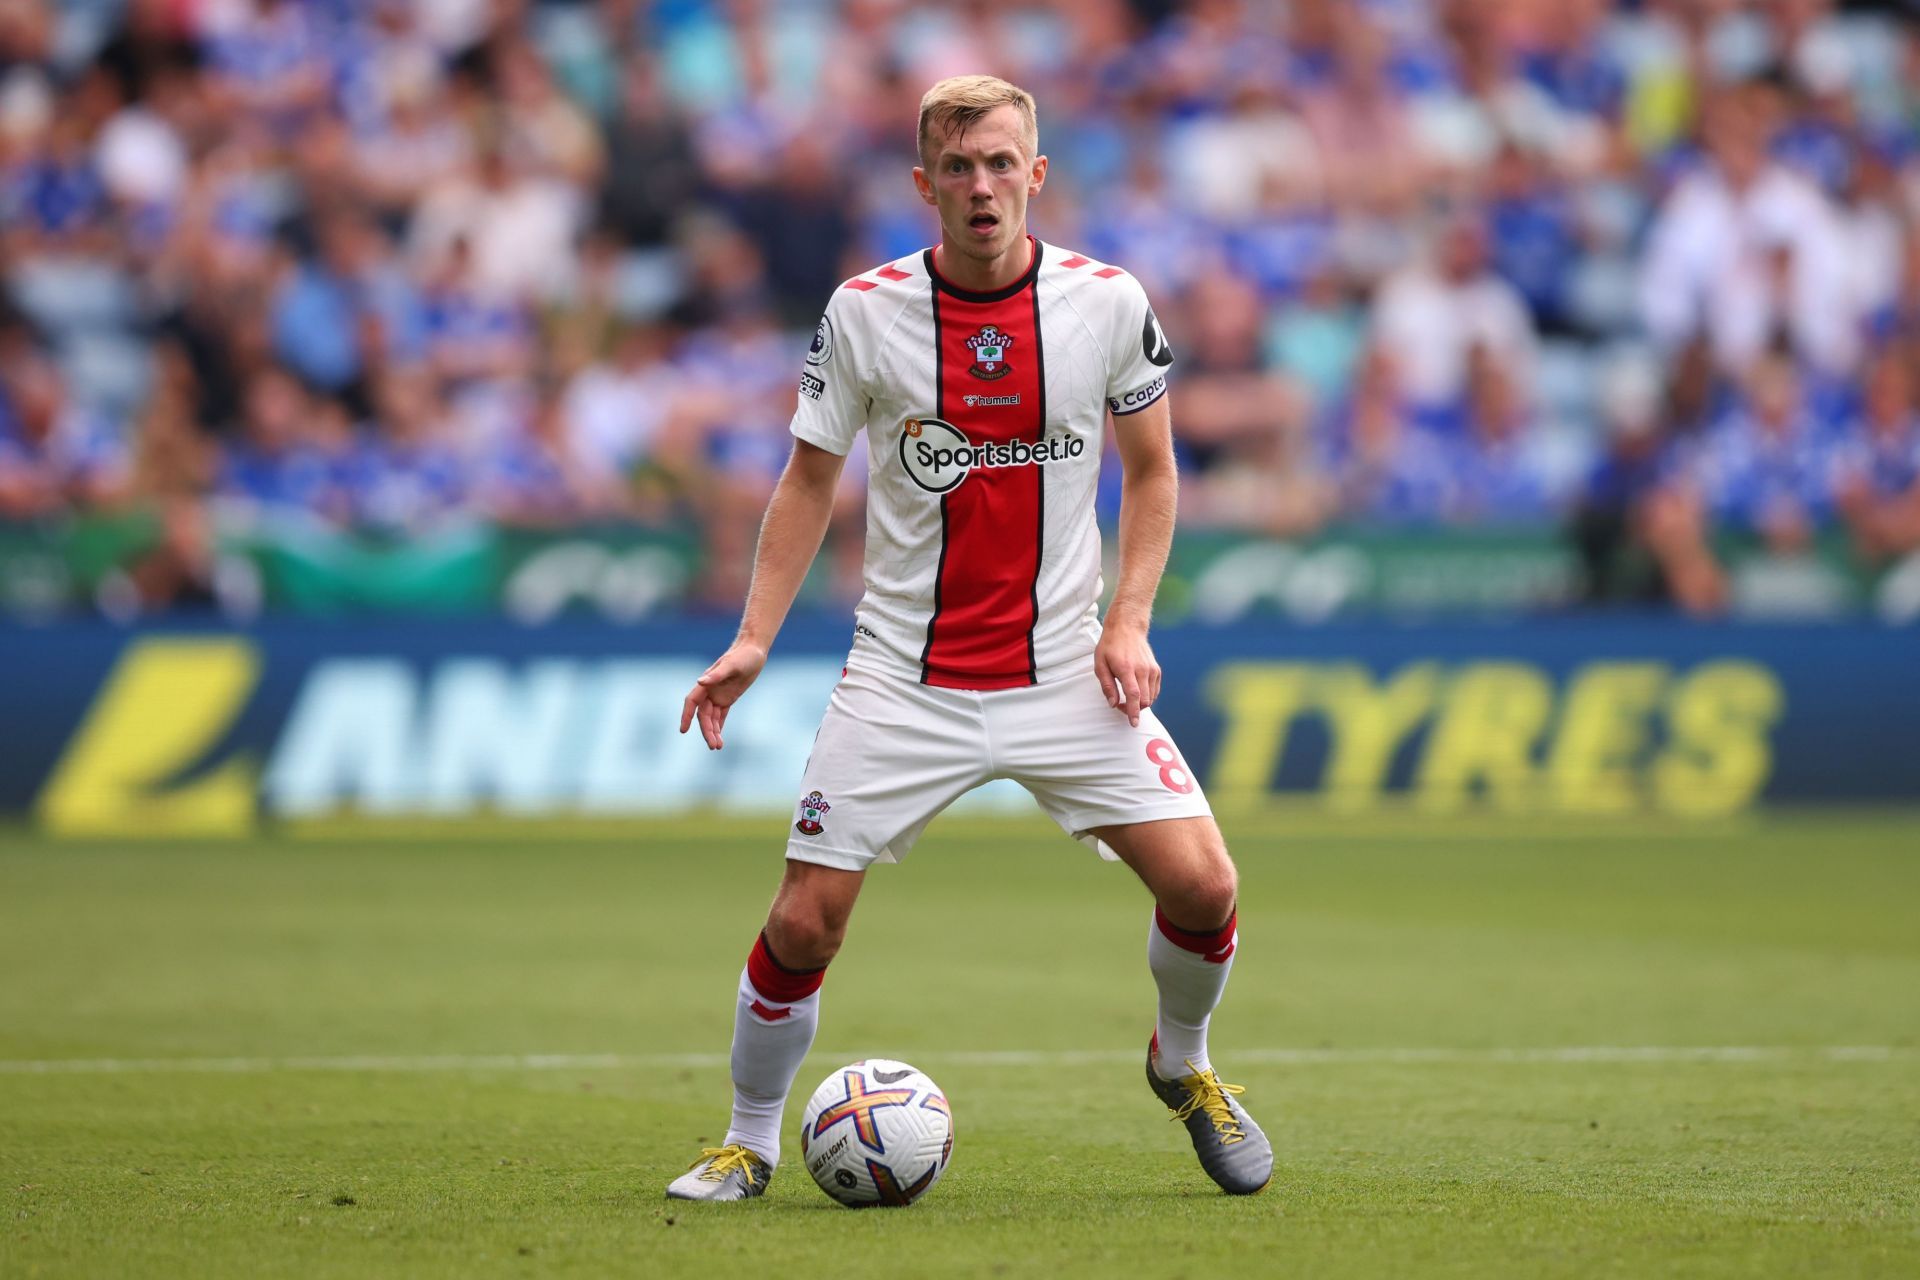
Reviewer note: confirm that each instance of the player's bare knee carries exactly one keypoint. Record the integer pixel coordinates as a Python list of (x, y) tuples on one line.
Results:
[(1229, 879), (1205, 895), (808, 920), (802, 934), (1223, 894), (1202, 904)]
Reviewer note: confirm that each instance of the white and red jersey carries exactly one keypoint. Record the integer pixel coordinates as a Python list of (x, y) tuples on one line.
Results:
[(985, 414)]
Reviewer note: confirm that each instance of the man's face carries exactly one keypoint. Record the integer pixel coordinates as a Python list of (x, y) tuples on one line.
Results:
[(1889, 395), (1738, 131), (981, 181), (1774, 392)]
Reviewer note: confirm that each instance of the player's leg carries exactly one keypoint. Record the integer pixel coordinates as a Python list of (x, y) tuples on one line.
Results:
[(1190, 945), (890, 755), (1125, 789), (777, 1009), (1190, 949), (776, 1012)]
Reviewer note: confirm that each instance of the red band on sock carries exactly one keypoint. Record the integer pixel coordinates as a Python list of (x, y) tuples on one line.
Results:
[(777, 983), (1215, 946)]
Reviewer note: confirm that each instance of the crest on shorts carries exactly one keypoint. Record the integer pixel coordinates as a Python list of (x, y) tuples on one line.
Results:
[(812, 806), (989, 347)]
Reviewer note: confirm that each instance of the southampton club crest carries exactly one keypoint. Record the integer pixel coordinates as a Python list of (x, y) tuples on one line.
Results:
[(989, 347), (811, 807)]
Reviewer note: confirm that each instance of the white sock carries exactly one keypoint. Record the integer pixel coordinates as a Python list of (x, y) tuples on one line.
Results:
[(775, 1015), (1190, 969)]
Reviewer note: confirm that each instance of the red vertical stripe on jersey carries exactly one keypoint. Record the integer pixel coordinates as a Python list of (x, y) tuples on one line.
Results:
[(980, 636)]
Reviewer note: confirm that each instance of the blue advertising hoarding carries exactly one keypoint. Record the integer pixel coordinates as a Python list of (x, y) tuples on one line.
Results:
[(223, 731)]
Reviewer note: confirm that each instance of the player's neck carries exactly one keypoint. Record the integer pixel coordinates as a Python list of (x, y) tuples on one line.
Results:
[(977, 275)]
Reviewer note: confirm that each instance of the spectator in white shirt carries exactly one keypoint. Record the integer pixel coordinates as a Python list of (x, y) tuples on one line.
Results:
[(1745, 250), (520, 226), (1429, 317)]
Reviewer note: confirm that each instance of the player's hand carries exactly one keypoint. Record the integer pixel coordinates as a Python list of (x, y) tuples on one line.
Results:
[(1129, 675), (715, 692)]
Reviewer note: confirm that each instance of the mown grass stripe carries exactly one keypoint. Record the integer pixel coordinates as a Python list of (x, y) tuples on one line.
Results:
[(455, 1062)]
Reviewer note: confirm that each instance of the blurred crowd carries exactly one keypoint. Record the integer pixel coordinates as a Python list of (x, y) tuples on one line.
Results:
[(1646, 275)]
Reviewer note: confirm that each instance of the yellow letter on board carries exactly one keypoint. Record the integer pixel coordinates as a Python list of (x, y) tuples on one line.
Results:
[(1490, 718), (1368, 724), (1603, 731), (1259, 700), (1720, 754), (165, 705)]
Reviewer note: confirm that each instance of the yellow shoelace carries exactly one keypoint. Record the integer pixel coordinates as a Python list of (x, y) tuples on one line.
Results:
[(725, 1160), (1206, 1093)]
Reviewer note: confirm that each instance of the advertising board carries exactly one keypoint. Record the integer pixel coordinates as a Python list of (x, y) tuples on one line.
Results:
[(185, 732)]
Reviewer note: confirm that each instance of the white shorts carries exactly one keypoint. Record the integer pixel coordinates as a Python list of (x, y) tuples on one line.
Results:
[(892, 753)]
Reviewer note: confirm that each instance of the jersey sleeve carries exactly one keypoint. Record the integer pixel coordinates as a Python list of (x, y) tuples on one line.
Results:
[(1138, 354), (833, 403)]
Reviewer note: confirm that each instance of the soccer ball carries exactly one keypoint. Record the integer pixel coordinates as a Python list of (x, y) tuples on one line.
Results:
[(876, 1132)]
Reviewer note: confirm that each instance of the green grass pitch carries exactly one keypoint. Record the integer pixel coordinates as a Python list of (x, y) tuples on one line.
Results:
[(1473, 1044)]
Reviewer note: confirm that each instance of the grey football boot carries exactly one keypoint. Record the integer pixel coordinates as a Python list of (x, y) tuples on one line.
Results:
[(722, 1173), (1231, 1147)]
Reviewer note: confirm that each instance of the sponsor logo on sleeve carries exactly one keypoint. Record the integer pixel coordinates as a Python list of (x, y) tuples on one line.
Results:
[(810, 386), (1153, 341), (1134, 401), (822, 349)]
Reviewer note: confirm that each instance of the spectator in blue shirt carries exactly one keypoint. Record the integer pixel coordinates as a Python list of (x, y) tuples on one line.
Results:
[(55, 199), (275, 469), (1503, 472), (1533, 239), (1877, 477), (407, 478), (1387, 469), (471, 334), (1570, 59), (270, 64), (315, 328), (54, 455), (1765, 472), (529, 477), (1765, 469), (348, 309)]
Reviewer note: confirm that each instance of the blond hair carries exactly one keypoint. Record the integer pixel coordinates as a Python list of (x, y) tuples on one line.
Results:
[(958, 103)]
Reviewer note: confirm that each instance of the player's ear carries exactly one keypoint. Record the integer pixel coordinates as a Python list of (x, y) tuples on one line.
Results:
[(924, 185), (1038, 177)]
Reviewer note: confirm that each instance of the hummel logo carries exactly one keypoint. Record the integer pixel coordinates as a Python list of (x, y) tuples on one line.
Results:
[(892, 1077), (768, 1013)]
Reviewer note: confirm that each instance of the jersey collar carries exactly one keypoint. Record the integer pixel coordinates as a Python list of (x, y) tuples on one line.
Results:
[(1025, 281)]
